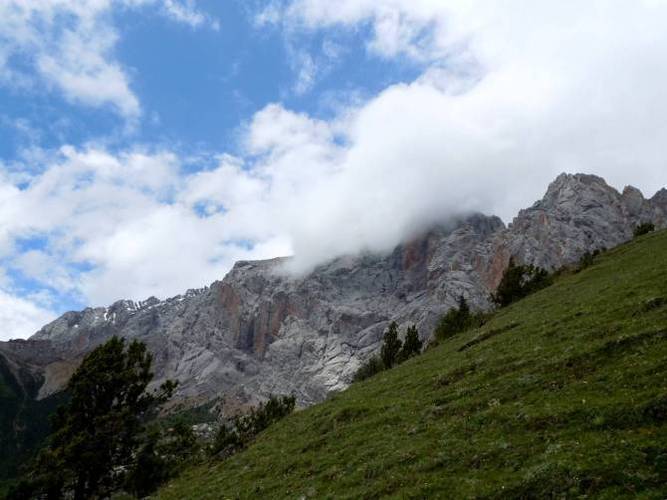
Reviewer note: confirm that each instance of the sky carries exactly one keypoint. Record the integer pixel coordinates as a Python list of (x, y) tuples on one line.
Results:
[(147, 145)]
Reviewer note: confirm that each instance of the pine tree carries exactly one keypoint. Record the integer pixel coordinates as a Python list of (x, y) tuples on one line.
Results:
[(456, 320), (464, 309), (412, 345), (519, 281), (97, 432), (391, 346)]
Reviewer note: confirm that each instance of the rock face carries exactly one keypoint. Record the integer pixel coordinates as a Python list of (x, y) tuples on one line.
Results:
[(260, 331)]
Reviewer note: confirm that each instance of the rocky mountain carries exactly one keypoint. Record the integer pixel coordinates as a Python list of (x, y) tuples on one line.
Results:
[(261, 331)]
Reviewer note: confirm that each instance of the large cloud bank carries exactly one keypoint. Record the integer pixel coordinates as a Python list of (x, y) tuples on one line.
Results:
[(508, 97)]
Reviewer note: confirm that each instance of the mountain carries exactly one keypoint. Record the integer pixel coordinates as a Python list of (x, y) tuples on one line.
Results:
[(261, 331), (560, 395)]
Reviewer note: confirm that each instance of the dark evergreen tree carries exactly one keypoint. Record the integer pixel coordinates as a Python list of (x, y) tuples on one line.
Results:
[(162, 454), (151, 467), (519, 281), (456, 320), (644, 228), (97, 433), (464, 308), (412, 345), (391, 346)]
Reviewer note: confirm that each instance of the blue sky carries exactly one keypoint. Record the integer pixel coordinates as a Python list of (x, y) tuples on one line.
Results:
[(146, 145), (198, 85)]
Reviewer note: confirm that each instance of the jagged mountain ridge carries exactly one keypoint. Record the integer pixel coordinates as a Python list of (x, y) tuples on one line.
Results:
[(259, 331)]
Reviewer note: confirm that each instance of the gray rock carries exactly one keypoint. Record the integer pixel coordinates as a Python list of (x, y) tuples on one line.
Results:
[(260, 331)]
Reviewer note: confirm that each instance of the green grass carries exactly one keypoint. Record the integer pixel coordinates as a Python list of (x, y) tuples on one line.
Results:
[(563, 394)]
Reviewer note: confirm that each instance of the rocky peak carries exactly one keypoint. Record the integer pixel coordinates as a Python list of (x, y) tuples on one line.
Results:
[(569, 191), (634, 201), (660, 199)]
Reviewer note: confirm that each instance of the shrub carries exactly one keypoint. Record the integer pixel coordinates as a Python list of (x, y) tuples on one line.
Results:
[(227, 440), (368, 369), (457, 320), (644, 228), (585, 261), (242, 429), (519, 281)]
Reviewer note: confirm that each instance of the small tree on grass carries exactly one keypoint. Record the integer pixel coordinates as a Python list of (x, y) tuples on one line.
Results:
[(519, 281), (644, 228), (456, 320), (588, 259), (392, 353), (391, 346), (242, 429), (412, 345)]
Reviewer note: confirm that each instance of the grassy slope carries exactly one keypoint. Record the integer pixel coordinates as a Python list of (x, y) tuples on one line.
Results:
[(564, 392)]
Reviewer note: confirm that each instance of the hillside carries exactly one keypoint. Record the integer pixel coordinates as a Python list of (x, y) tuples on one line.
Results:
[(563, 393)]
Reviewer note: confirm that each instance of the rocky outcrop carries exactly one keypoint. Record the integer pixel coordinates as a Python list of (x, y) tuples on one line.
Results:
[(578, 213), (261, 331)]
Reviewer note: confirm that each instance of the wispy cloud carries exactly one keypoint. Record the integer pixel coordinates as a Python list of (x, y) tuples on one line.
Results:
[(70, 46), (186, 12), (307, 73)]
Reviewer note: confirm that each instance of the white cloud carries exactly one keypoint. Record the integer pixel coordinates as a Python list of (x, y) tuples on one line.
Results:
[(510, 96), (132, 219), (70, 44), (21, 318), (186, 12), (85, 76), (400, 27), (307, 73)]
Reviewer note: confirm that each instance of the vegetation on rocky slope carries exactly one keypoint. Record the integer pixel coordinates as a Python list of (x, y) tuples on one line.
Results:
[(562, 393), (24, 421), (99, 437)]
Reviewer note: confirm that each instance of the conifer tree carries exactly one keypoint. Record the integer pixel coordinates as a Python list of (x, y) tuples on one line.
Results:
[(97, 432), (456, 320), (412, 345), (391, 346), (519, 281)]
